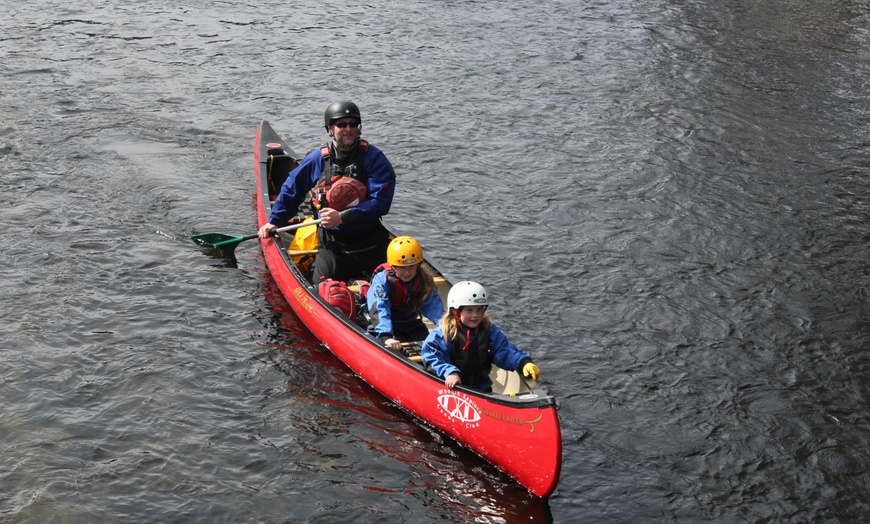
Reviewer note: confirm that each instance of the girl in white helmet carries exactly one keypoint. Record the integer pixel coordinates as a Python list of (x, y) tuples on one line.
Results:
[(465, 344)]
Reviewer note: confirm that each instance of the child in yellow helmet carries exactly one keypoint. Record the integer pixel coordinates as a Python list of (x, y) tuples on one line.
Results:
[(400, 293)]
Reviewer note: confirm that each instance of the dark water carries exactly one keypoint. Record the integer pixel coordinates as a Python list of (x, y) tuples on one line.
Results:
[(668, 202)]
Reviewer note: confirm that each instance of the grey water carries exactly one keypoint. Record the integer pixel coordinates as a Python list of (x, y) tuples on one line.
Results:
[(667, 200)]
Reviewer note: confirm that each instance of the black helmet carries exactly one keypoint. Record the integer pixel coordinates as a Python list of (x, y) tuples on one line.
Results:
[(340, 110)]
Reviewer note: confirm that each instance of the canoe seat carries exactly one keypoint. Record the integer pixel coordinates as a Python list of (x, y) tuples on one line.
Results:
[(509, 382), (412, 350)]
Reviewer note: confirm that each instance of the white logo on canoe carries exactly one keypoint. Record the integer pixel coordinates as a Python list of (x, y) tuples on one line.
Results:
[(459, 407)]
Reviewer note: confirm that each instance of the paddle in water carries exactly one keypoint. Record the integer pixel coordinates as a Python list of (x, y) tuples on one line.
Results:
[(228, 243)]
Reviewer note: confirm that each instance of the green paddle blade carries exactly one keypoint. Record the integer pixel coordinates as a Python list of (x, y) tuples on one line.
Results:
[(225, 243), (214, 239)]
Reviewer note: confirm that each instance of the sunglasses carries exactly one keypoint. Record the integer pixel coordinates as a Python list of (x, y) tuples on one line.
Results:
[(342, 125)]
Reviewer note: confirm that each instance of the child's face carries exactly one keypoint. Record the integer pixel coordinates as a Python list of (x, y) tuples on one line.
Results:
[(470, 316), (405, 273)]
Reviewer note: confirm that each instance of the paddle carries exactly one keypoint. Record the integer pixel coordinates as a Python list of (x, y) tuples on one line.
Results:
[(227, 243)]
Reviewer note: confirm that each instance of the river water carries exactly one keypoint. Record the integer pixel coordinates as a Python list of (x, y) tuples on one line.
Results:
[(667, 200)]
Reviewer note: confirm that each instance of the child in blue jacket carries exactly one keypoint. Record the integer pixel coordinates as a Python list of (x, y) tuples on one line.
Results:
[(466, 344), (399, 294)]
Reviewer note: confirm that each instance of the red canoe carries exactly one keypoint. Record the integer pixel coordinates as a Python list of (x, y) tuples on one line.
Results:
[(516, 427)]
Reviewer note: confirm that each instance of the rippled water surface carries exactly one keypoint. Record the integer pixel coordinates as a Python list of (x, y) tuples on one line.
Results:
[(668, 202)]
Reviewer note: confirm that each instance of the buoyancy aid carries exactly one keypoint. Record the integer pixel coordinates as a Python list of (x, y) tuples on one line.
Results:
[(332, 172), (401, 294), (471, 354)]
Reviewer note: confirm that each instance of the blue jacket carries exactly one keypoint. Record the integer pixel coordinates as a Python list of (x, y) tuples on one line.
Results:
[(381, 183), (383, 311), (437, 353)]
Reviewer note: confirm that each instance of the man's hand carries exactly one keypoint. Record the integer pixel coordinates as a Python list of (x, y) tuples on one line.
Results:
[(266, 230), (330, 217)]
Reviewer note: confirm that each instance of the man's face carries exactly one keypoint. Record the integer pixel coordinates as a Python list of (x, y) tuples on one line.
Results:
[(345, 133)]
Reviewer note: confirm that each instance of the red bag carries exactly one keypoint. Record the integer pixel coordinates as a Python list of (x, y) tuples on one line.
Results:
[(345, 193), (361, 287), (337, 294)]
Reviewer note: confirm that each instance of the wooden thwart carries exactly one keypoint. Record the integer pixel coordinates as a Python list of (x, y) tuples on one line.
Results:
[(301, 252)]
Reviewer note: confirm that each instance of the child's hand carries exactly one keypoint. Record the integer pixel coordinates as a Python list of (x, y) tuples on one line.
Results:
[(452, 380), (531, 370), (393, 344)]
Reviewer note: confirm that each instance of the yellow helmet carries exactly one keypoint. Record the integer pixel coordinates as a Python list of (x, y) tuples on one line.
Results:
[(404, 251)]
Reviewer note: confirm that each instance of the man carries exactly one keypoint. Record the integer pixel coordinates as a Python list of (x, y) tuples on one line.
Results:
[(352, 185)]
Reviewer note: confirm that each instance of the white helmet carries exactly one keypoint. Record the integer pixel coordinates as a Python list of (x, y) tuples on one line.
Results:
[(466, 294)]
